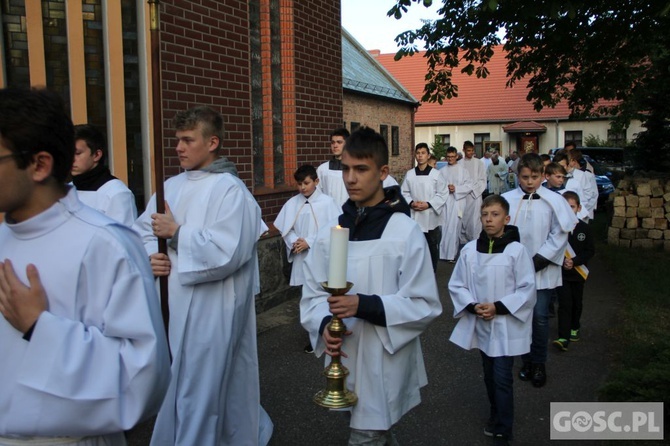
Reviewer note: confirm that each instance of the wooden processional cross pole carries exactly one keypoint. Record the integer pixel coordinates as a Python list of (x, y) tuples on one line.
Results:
[(158, 142)]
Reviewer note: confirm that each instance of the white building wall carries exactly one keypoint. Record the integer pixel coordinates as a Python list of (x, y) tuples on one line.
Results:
[(553, 137)]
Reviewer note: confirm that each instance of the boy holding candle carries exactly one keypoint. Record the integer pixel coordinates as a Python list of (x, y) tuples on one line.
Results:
[(393, 299)]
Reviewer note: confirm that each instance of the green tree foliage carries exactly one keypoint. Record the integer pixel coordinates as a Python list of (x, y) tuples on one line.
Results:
[(585, 52), (438, 148)]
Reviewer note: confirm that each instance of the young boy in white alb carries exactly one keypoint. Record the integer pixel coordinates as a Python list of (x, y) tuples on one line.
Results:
[(579, 182), (300, 219), (393, 299), (330, 172), (544, 220), (426, 192), (493, 291), (96, 186), (554, 174)]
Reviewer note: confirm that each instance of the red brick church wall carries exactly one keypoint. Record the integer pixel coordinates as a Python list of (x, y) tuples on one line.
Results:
[(205, 57)]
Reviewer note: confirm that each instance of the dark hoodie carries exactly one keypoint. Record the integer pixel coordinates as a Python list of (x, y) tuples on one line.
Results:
[(487, 245), (94, 179), (368, 224)]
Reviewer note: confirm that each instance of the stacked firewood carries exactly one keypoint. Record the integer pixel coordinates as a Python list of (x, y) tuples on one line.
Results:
[(641, 213)]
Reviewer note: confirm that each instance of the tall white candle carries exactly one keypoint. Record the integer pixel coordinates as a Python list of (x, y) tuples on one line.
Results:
[(339, 249)]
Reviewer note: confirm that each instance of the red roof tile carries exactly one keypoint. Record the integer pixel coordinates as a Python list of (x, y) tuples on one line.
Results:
[(524, 126), (479, 100)]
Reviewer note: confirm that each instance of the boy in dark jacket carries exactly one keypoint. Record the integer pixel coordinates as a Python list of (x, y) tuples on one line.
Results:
[(580, 250)]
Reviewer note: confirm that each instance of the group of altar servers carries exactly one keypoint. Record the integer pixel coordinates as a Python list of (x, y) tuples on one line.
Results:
[(85, 354)]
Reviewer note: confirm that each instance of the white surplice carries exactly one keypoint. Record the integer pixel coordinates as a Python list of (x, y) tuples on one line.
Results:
[(389, 181), (214, 395), (113, 199), (544, 225), (472, 222), (386, 368), (331, 183), (574, 186), (302, 217), (454, 209), (580, 183), (97, 361), (485, 278), (430, 188)]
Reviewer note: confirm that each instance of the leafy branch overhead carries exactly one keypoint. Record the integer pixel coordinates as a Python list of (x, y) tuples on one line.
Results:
[(604, 57)]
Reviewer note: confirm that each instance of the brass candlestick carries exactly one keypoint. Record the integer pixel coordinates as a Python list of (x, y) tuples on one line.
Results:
[(336, 395)]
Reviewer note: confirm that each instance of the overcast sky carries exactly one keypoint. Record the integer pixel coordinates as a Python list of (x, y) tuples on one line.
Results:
[(366, 20)]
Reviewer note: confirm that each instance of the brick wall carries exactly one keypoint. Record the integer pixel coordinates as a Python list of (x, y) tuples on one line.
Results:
[(374, 112), (318, 60), (205, 57)]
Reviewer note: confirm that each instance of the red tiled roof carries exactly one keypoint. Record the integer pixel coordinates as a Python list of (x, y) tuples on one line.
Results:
[(479, 100), (524, 126)]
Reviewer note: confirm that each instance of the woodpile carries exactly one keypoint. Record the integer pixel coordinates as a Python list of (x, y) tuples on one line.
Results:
[(641, 213)]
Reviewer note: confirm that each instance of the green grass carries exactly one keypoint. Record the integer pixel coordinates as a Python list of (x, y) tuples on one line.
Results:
[(642, 367)]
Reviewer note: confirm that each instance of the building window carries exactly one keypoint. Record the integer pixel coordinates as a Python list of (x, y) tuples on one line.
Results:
[(274, 135), (616, 139), (133, 100), (574, 136), (384, 131), (479, 143), (15, 38), (395, 140), (355, 126), (444, 139), (94, 58)]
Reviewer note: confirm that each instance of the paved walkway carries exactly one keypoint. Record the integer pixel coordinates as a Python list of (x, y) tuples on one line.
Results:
[(454, 408)]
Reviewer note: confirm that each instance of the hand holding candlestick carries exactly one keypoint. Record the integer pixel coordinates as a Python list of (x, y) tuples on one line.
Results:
[(336, 396)]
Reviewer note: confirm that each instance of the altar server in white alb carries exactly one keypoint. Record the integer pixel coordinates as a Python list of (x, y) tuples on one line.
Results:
[(459, 185), (583, 183), (212, 224), (301, 218), (330, 172), (426, 192), (95, 184), (472, 224), (544, 220), (493, 291), (84, 354), (393, 299)]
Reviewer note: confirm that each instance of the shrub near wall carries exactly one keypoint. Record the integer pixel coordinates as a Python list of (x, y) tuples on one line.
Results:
[(641, 213)]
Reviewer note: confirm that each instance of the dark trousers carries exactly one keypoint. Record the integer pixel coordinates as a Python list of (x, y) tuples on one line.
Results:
[(499, 380), (569, 307), (434, 237), (538, 345)]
